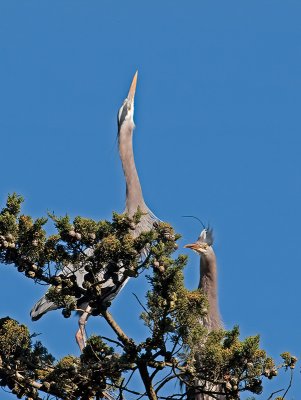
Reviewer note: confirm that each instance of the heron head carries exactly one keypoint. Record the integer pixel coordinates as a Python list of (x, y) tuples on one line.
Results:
[(126, 111), (203, 245)]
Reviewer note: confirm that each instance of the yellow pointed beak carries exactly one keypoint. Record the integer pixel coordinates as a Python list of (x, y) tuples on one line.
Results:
[(199, 248), (192, 246), (132, 90)]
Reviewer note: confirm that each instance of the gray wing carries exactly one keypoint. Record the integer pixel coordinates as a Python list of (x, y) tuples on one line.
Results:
[(111, 284), (43, 305)]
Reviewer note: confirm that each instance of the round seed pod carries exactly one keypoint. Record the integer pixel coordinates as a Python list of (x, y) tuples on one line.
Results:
[(78, 236), (77, 292), (161, 269), (92, 236), (56, 280), (46, 385), (86, 285), (66, 313), (173, 296), (12, 245), (95, 311), (97, 289), (9, 236), (89, 277), (88, 268), (68, 283), (274, 372), (156, 264), (72, 233), (131, 272), (30, 274), (5, 244)]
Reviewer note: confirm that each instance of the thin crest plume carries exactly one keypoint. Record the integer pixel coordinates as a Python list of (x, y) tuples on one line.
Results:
[(192, 216)]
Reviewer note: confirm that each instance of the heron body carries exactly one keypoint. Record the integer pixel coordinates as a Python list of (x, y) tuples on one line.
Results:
[(208, 284), (134, 200)]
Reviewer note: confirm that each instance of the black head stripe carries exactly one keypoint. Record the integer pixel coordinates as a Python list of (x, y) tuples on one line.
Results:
[(122, 113)]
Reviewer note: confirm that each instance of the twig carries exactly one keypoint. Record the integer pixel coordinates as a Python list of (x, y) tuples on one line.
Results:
[(116, 328), (178, 395), (164, 381), (154, 373), (112, 341), (140, 303), (130, 377), (31, 382), (272, 394), (129, 390), (290, 383)]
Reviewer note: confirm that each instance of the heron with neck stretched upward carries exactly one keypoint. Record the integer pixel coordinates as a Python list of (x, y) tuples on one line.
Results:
[(208, 284), (134, 199)]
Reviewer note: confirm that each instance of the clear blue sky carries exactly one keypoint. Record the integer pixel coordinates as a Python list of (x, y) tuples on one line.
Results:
[(217, 136)]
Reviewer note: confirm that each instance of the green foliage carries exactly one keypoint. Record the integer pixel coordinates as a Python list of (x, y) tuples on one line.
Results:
[(17, 353), (172, 309), (289, 360), (14, 338), (177, 348), (240, 365)]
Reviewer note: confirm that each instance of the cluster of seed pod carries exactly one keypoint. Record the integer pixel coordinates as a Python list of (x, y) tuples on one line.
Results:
[(92, 284), (73, 235), (61, 282), (293, 362), (132, 272), (19, 390), (32, 270), (270, 372), (255, 386), (231, 387), (158, 266), (7, 241), (173, 299)]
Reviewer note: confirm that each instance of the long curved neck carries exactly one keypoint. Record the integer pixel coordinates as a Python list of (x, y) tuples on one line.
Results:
[(208, 283), (134, 197)]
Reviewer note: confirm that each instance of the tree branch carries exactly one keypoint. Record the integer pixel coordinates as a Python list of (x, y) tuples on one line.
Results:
[(116, 328)]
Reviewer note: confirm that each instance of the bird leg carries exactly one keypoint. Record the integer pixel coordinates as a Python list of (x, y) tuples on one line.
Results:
[(81, 337)]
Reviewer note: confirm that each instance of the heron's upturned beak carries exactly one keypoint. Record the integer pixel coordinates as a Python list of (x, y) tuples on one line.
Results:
[(132, 90), (192, 246)]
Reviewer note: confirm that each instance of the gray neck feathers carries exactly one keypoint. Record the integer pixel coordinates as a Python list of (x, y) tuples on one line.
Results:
[(134, 197), (208, 283)]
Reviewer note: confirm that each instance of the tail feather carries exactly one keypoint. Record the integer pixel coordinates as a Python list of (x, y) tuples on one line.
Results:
[(42, 307)]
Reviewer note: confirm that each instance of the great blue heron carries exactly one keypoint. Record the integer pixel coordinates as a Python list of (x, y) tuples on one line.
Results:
[(208, 284), (208, 276), (134, 199)]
